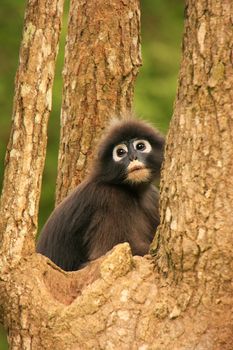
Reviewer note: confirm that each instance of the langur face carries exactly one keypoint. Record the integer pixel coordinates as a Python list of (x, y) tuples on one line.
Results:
[(132, 155)]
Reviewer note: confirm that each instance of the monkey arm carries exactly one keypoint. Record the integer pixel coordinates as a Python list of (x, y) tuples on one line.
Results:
[(62, 238)]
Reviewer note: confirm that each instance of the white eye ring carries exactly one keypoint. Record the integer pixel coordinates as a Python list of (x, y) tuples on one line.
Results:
[(119, 152), (147, 146)]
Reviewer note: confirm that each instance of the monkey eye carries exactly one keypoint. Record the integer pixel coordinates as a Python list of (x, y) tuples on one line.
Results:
[(119, 152), (142, 146)]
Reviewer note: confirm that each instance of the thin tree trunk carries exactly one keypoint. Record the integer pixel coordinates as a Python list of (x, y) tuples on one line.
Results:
[(27, 145), (102, 58), (26, 150)]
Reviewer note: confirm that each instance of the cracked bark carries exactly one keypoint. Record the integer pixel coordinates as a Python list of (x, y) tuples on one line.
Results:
[(102, 58), (27, 145), (180, 299)]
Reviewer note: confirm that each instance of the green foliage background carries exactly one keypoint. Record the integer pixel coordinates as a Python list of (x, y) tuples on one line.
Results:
[(162, 24)]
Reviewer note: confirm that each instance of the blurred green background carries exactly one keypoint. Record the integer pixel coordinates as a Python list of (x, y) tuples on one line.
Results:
[(162, 25)]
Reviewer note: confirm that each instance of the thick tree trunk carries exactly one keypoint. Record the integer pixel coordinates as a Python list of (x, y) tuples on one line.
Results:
[(184, 300), (102, 58), (194, 241)]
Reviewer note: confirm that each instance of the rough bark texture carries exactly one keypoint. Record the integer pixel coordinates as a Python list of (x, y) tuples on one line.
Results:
[(26, 149), (185, 300), (194, 241), (27, 145), (102, 58)]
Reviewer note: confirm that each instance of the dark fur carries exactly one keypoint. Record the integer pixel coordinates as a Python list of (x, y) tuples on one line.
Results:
[(104, 210)]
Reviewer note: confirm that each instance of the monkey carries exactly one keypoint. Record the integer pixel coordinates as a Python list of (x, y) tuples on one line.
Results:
[(116, 203)]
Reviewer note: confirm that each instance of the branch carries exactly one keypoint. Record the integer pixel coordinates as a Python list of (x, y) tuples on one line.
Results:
[(102, 59), (196, 189), (27, 145)]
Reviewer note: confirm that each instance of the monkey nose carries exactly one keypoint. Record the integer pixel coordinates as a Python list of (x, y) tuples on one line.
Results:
[(133, 156)]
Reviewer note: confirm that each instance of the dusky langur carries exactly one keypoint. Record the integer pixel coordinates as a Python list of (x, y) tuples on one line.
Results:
[(116, 203)]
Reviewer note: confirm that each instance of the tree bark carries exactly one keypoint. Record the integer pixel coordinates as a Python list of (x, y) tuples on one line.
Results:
[(26, 150), (102, 58), (27, 145), (193, 245), (183, 297)]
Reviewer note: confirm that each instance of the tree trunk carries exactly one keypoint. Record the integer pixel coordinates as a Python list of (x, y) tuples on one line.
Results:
[(27, 145), (181, 299), (102, 58), (26, 150), (194, 241)]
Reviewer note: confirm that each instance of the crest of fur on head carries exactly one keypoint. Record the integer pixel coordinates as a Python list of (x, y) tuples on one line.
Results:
[(115, 125)]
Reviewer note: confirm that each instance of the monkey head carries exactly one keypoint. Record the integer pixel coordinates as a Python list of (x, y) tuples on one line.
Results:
[(130, 154)]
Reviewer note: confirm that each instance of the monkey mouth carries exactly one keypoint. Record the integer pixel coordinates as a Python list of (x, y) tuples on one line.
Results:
[(135, 165), (136, 169), (137, 172)]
